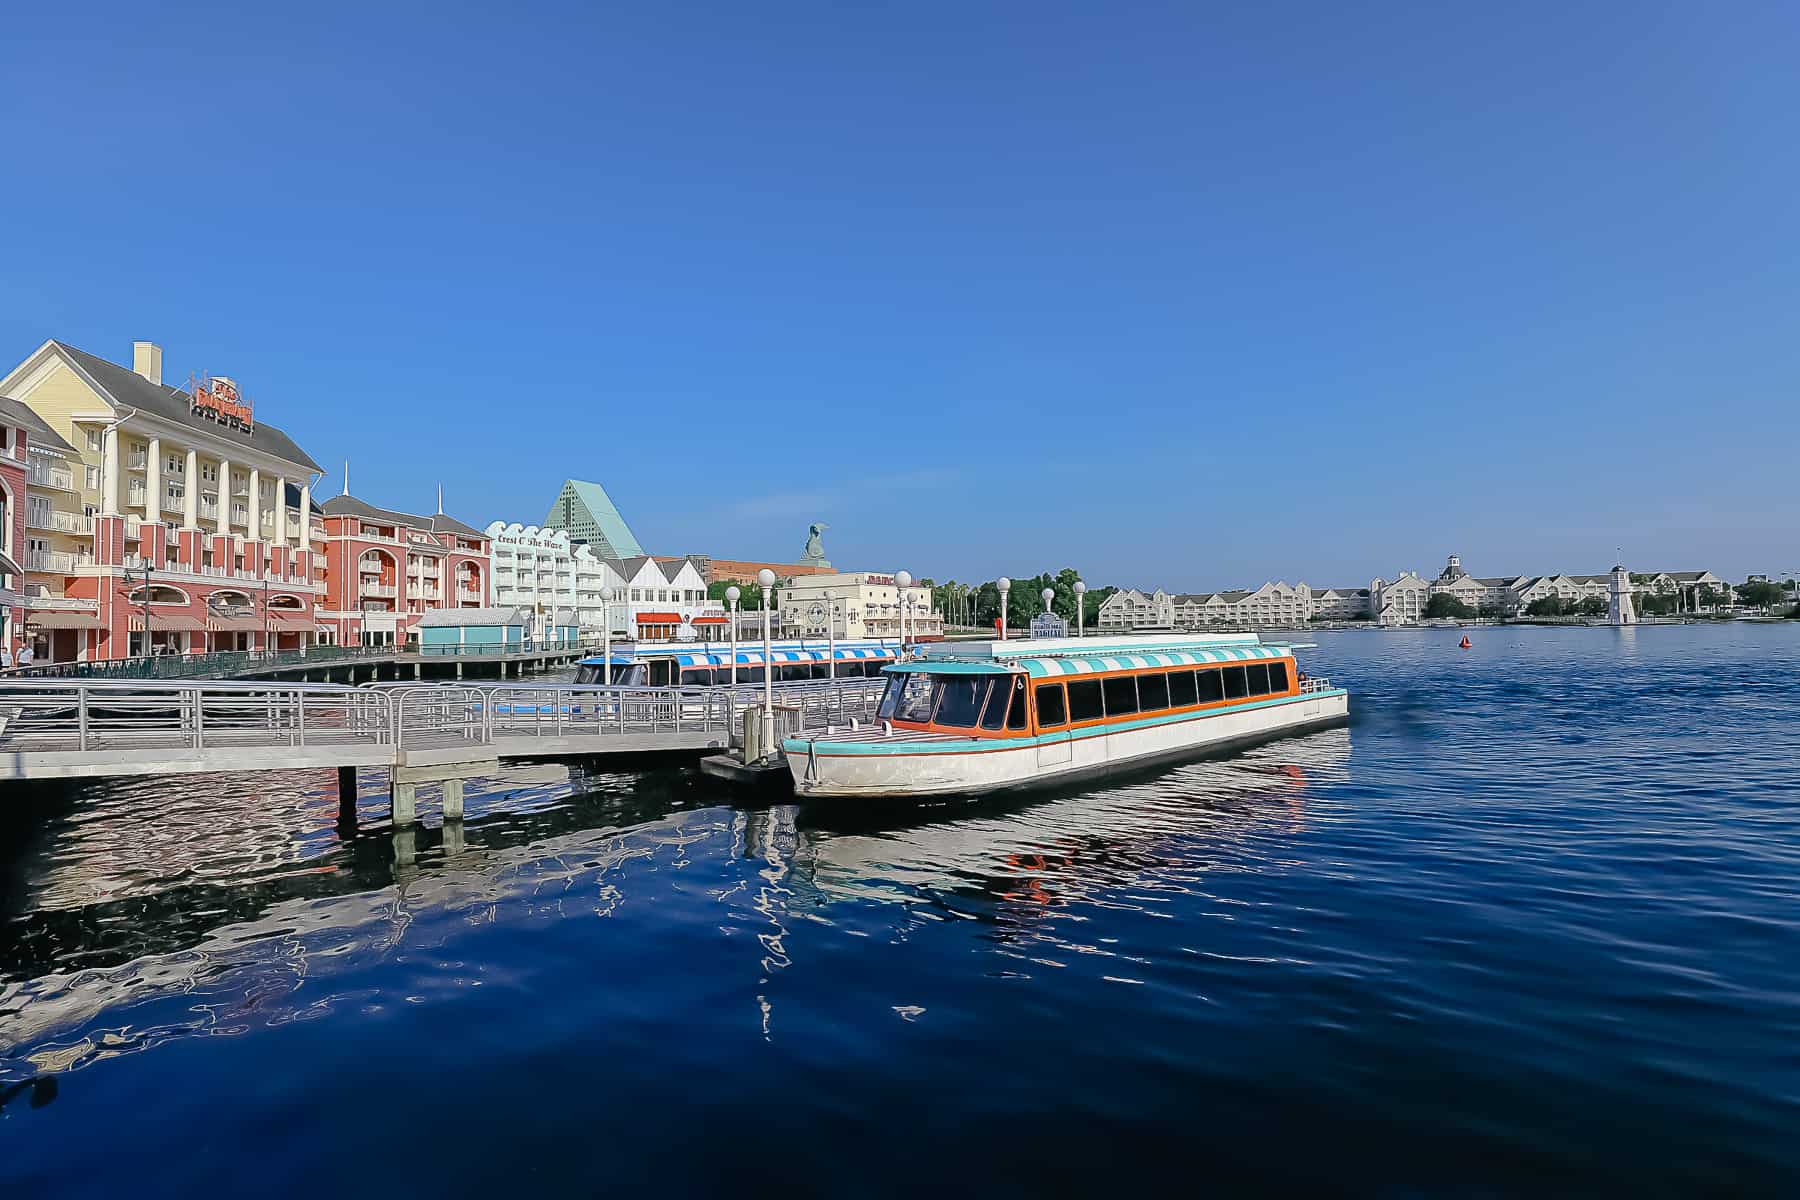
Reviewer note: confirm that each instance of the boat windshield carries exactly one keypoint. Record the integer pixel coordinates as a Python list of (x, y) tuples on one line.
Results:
[(623, 674), (954, 701)]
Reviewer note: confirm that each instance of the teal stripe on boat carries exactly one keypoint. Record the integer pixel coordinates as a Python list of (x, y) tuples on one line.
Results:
[(963, 745)]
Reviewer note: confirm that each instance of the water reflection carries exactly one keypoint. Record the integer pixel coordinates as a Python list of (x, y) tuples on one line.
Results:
[(258, 912)]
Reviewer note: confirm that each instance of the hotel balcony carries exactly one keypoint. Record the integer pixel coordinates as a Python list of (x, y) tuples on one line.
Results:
[(60, 478), (56, 560), (137, 460), (385, 591), (60, 522)]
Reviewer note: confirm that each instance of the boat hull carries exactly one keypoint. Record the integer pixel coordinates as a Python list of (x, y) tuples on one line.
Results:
[(821, 767)]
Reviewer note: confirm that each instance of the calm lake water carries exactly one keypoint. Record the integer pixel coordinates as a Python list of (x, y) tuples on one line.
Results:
[(1531, 924)]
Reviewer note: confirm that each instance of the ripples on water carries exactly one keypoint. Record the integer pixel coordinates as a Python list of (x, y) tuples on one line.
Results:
[(1527, 925)]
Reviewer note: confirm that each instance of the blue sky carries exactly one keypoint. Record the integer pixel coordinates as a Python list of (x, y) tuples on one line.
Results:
[(1177, 294)]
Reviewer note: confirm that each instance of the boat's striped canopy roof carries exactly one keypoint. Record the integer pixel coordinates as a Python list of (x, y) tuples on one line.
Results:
[(753, 657), (1057, 666), (1062, 665)]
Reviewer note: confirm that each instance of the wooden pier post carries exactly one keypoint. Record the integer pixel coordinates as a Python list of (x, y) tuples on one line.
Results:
[(453, 799), (347, 798), (404, 802)]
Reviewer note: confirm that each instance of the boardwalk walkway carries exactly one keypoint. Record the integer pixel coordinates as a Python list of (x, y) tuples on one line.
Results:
[(69, 729)]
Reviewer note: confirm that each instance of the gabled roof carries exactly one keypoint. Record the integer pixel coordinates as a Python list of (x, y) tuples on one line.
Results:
[(38, 433), (349, 506), (128, 388)]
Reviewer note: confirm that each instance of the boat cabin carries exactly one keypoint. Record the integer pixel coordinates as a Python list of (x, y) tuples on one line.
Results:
[(1023, 689)]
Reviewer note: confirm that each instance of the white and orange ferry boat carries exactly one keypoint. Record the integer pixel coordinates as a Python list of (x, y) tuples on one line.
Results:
[(969, 718)]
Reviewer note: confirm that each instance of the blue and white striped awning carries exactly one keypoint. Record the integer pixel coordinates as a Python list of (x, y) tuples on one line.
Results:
[(1060, 665), (863, 652), (698, 660)]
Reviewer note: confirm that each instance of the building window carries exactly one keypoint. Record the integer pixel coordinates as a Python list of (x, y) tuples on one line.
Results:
[(93, 436)]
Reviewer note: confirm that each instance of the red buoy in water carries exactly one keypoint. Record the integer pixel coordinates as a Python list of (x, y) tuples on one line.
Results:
[(1465, 643)]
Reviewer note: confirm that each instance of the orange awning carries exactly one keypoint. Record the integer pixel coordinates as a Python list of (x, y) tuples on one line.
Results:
[(658, 618), (710, 620)]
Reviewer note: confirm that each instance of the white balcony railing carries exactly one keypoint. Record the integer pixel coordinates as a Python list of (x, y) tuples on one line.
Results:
[(386, 591), (61, 522), (56, 560), (53, 477)]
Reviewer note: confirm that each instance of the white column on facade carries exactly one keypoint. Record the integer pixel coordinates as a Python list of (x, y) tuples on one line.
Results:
[(280, 510), (153, 481), (306, 516), (255, 533), (109, 473), (190, 500), (224, 485)]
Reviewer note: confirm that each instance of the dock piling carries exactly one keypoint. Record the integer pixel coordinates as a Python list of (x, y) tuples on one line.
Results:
[(453, 799), (404, 803)]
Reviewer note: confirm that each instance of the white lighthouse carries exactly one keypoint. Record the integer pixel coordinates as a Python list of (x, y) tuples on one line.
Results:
[(1618, 609)]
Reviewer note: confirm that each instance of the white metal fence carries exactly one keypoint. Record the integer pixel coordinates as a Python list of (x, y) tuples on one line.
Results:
[(101, 716)]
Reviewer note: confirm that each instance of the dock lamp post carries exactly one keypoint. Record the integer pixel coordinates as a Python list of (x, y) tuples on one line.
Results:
[(606, 598), (146, 610), (902, 581), (1080, 606), (766, 578), (1005, 586), (731, 598), (830, 634), (265, 591)]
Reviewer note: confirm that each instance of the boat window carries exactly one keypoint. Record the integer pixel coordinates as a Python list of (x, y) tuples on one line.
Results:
[(1015, 713), (1084, 700), (906, 694), (1212, 688), (1181, 689), (1278, 678), (587, 674), (1153, 691), (1121, 695), (1235, 684), (696, 677), (1259, 679), (995, 715), (628, 676), (1051, 711), (960, 700)]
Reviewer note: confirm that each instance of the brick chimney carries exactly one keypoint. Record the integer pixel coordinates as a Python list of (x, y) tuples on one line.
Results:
[(146, 360)]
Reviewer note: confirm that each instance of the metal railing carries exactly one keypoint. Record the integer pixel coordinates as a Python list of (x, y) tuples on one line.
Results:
[(112, 717), (191, 666), (1313, 683), (820, 702)]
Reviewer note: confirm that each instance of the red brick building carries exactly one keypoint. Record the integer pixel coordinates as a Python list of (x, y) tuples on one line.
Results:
[(383, 570)]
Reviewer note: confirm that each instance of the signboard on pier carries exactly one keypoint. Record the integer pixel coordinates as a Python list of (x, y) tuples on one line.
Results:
[(1049, 625)]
